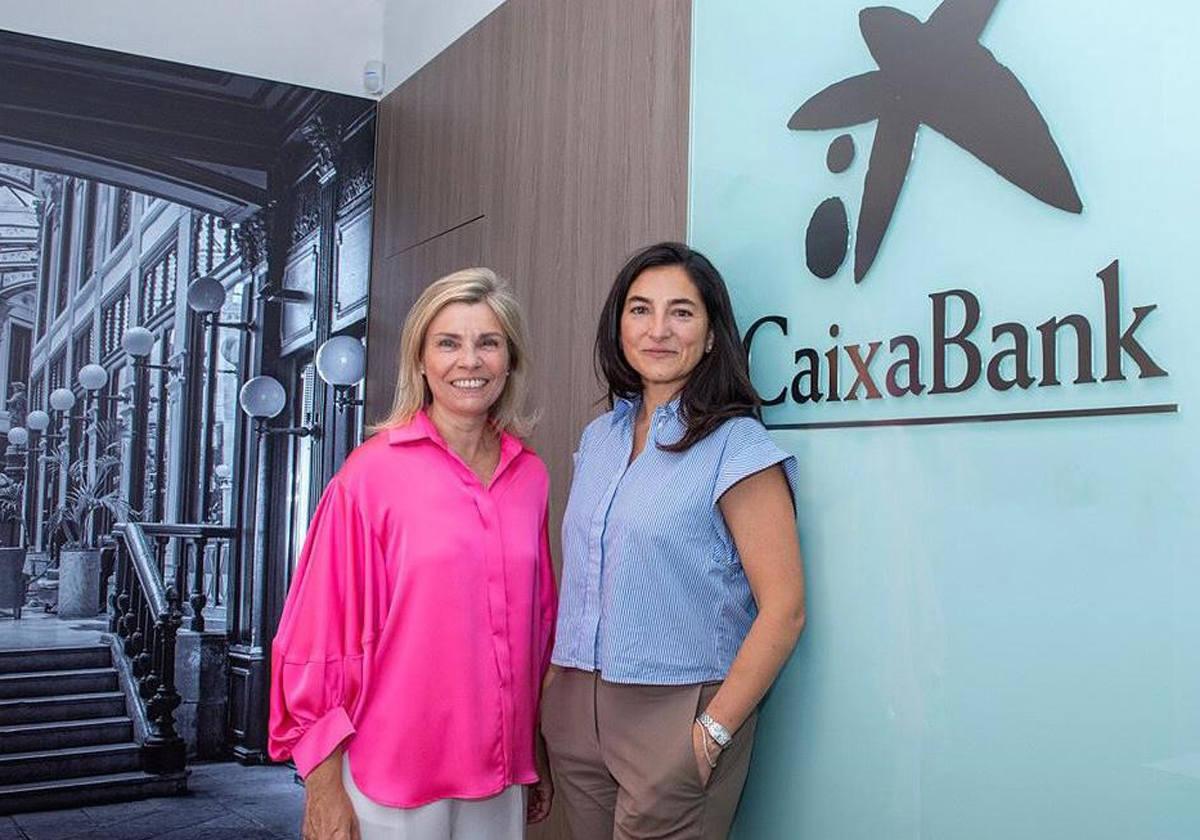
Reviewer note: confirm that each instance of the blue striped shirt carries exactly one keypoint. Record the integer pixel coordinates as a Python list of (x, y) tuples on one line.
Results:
[(653, 590)]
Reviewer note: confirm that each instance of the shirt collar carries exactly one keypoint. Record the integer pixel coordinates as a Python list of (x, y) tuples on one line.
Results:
[(624, 409), (420, 427)]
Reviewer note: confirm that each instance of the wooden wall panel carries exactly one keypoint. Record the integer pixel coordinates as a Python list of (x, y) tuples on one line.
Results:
[(564, 124), (405, 275)]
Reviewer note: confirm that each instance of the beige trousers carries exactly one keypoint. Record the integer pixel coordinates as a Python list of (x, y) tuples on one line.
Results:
[(623, 764)]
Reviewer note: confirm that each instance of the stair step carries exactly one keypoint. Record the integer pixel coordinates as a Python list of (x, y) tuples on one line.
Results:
[(62, 708), (69, 762), (52, 683), (54, 659), (27, 737), (88, 790)]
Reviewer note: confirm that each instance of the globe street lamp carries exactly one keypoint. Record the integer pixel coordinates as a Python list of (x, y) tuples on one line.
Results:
[(92, 378), (206, 297), (341, 362), (37, 421), (62, 399), (138, 343), (262, 398)]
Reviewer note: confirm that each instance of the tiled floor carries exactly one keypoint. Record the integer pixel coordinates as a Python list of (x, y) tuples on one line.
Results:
[(42, 630), (225, 800)]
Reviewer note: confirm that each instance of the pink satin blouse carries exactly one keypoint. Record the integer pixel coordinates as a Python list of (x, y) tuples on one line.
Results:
[(419, 623)]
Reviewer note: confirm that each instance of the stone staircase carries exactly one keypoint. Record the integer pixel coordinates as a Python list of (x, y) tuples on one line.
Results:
[(66, 736)]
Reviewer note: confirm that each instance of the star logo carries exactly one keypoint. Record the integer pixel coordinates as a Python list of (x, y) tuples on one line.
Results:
[(936, 74)]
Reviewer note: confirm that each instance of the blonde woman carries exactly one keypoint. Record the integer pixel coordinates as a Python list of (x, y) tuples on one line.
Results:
[(408, 662)]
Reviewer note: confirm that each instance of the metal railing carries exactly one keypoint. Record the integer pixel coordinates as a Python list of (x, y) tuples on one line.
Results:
[(154, 564), (197, 558), (145, 613)]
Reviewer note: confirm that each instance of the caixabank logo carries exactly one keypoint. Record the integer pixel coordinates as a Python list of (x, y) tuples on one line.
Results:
[(936, 74)]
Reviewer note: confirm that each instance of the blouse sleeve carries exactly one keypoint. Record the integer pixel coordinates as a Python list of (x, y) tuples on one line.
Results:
[(749, 450), (320, 650), (547, 597)]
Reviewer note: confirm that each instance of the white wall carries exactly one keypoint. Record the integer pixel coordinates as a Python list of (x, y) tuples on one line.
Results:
[(319, 43), (414, 31)]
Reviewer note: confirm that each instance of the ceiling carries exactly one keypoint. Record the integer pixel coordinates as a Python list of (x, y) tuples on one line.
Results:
[(201, 137)]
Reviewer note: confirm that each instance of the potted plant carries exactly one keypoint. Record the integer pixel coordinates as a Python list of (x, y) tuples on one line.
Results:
[(12, 553), (92, 486)]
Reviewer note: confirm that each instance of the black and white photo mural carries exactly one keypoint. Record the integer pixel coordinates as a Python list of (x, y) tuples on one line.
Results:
[(177, 245)]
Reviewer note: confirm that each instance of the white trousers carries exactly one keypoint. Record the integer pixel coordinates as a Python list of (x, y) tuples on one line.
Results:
[(501, 817)]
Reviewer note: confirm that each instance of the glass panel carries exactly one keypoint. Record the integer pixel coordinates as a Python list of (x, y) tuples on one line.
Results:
[(43, 278), (89, 231), (301, 473), (158, 285), (226, 413), (156, 438), (121, 215), (64, 246)]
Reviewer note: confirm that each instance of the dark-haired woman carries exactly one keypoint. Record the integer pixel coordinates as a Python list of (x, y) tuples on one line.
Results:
[(682, 590)]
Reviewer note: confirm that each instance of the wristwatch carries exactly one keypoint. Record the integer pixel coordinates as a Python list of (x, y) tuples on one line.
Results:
[(720, 735)]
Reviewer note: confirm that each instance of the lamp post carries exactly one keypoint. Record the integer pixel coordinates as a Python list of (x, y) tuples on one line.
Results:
[(206, 297), (17, 452), (137, 343), (16, 459), (37, 422), (62, 400), (262, 398), (341, 362), (92, 378)]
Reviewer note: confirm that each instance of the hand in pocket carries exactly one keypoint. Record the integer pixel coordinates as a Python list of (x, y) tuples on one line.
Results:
[(703, 770)]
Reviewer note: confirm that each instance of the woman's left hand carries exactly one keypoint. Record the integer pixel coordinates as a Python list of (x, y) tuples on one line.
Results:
[(702, 766), (541, 796)]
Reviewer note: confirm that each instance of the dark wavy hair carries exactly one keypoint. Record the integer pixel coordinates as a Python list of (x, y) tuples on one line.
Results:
[(719, 387)]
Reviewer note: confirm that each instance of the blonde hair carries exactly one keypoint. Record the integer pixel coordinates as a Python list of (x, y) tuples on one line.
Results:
[(471, 285)]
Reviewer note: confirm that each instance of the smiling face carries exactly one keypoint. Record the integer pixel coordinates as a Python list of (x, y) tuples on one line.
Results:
[(664, 327), (465, 359)]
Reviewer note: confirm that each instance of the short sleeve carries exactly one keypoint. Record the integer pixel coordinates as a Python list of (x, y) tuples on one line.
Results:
[(321, 651), (748, 450)]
